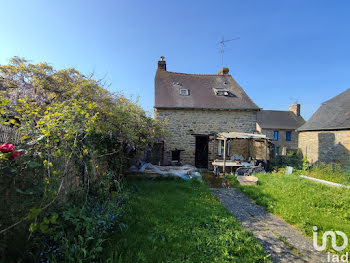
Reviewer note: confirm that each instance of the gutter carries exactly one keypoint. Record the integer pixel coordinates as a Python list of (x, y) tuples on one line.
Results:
[(203, 108), (324, 129)]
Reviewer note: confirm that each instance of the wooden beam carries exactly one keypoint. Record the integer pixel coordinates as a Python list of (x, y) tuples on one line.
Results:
[(225, 140), (266, 151), (224, 167)]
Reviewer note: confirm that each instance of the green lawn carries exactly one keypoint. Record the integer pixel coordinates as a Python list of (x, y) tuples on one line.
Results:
[(331, 172), (303, 203), (180, 221)]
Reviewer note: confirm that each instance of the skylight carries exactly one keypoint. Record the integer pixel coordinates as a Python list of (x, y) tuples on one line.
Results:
[(184, 92), (223, 92)]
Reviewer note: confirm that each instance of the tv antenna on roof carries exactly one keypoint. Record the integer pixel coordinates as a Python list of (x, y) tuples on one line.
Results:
[(222, 45), (296, 100)]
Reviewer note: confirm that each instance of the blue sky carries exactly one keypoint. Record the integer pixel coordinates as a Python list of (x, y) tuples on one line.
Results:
[(287, 51)]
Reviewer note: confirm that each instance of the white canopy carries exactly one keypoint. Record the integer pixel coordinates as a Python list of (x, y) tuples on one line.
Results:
[(240, 135)]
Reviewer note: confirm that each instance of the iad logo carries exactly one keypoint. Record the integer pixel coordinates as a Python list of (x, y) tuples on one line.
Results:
[(333, 235), (334, 239)]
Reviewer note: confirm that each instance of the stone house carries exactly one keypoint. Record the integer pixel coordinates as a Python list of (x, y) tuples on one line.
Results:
[(281, 127), (196, 108), (325, 137)]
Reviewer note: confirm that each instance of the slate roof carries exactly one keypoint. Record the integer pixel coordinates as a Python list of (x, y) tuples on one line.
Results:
[(274, 119), (201, 92), (333, 114)]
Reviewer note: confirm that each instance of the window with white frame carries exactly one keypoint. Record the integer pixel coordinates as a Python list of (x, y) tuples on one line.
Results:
[(184, 92), (221, 148)]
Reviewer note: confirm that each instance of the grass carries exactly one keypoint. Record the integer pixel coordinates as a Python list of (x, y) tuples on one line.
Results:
[(330, 172), (180, 221), (303, 203)]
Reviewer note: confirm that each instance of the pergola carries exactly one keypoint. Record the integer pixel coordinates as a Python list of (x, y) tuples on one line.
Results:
[(225, 136)]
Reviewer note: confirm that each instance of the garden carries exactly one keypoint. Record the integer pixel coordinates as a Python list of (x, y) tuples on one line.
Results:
[(66, 145)]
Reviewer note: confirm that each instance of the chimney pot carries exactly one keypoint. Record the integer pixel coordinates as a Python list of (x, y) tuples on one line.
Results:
[(162, 63), (223, 71), (295, 108)]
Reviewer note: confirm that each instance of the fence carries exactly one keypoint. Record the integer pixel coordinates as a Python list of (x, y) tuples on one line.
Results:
[(8, 134)]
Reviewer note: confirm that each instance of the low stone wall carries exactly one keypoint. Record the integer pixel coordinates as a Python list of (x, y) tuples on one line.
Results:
[(326, 146), (183, 123)]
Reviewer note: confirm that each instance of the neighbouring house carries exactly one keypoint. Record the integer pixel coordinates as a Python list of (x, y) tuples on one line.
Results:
[(196, 108), (281, 127), (325, 137)]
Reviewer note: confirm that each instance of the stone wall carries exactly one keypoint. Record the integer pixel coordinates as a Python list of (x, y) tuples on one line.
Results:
[(260, 150), (290, 145), (182, 123), (326, 146)]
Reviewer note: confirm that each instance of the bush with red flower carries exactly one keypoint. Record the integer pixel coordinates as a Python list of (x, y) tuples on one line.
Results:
[(8, 152), (6, 147)]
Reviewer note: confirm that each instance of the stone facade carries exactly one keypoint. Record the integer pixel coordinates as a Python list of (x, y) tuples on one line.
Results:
[(282, 143), (326, 146), (183, 124)]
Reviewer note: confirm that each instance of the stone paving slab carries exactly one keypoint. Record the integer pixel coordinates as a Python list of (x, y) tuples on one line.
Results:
[(279, 239)]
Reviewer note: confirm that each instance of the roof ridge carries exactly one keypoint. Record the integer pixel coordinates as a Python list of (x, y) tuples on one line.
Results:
[(336, 97), (277, 110), (196, 74)]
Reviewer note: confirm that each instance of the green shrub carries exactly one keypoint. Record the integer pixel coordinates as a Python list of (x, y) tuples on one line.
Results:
[(78, 229), (294, 159), (73, 132)]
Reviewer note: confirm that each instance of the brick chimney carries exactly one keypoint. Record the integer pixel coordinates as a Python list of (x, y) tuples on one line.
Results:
[(162, 63), (223, 71), (295, 108)]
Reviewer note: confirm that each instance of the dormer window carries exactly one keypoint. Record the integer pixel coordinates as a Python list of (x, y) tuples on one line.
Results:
[(223, 92), (184, 92)]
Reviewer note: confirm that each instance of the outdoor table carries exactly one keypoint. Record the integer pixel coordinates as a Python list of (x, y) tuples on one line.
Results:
[(220, 163)]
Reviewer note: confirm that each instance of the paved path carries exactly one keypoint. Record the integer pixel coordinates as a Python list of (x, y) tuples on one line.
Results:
[(281, 240)]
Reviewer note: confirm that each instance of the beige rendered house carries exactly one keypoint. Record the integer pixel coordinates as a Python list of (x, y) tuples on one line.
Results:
[(325, 137), (197, 107)]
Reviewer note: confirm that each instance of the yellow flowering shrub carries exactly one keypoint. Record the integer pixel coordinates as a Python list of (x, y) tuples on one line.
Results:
[(72, 131)]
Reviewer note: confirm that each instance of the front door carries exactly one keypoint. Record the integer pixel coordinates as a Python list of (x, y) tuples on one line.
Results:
[(201, 156)]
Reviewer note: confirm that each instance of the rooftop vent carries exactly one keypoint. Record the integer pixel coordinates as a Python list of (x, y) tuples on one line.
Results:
[(177, 84)]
